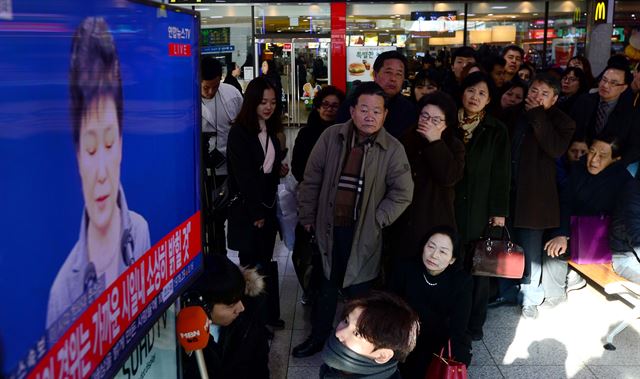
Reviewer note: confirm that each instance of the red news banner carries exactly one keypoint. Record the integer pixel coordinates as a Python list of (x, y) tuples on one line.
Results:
[(81, 349)]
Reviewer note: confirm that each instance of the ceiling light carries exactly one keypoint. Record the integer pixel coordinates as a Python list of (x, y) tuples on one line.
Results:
[(215, 16), (490, 14), (499, 7), (202, 9)]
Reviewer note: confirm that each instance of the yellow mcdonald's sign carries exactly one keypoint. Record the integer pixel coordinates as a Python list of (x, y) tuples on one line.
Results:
[(600, 12)]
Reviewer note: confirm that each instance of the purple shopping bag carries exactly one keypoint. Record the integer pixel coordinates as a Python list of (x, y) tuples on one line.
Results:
[(590, 239)]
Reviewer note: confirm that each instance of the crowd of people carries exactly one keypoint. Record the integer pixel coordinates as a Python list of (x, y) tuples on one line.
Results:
[(394, 190)]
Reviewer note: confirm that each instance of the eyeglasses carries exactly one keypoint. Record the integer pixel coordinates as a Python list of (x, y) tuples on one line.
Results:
[(327, 105), (570, 79), (612, 83), (433, 119)]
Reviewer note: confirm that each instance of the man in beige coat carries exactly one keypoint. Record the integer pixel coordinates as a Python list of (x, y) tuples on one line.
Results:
[(356, 182)]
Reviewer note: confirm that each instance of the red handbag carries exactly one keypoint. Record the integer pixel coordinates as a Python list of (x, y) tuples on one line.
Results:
[(500, 258), (446, 368)]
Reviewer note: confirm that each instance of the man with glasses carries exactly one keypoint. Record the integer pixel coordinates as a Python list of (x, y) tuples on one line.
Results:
[(389, 70), (356, 182), (610, 111)]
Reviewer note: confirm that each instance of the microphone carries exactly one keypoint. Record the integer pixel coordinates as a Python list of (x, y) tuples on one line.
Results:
[(193, 333)]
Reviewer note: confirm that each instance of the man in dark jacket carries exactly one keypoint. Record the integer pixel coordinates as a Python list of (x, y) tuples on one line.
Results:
[(540, 133), (238, 345), (389, 70), (461, 58), (610, 111)]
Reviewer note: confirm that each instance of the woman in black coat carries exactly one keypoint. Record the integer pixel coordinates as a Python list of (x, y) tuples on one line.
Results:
[(323, 114), (233, 72), (436, 157), (254, 160), (270, 72), (482, 196), (435, 286)]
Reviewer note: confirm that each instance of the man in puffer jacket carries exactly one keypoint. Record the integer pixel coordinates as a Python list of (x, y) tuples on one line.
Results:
[(238, 347)]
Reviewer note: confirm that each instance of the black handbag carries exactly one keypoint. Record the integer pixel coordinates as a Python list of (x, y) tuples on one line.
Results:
[(305, 257), (221, 196)]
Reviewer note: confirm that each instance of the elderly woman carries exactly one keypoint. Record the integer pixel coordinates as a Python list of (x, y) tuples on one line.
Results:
[(482, 196), (574, 83), (436, 157), (435, 285)]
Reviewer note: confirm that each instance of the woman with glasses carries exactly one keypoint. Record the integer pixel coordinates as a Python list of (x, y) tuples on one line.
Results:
[(573, 84), (482, 196), (323, 114), (436, 157)]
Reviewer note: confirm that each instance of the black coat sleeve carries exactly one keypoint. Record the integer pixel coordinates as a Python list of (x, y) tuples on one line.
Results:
[(460, 340), (301, 152)]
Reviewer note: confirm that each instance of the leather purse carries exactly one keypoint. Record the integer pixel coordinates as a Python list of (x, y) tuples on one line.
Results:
[(445, 368), (500, 258)]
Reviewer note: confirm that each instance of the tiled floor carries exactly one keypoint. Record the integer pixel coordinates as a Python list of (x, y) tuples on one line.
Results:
[(564, 342)]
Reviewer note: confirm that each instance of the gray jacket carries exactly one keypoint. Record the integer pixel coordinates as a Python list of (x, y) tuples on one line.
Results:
[(388, 189), (77, 285)]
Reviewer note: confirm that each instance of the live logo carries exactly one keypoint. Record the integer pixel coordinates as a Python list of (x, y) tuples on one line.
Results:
[(179, 50)]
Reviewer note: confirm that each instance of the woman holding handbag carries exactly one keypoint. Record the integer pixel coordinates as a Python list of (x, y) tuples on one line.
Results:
[(436, 286), (482, 196), (254, 163)]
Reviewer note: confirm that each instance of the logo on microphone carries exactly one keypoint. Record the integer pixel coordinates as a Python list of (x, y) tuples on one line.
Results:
[(189, 336)]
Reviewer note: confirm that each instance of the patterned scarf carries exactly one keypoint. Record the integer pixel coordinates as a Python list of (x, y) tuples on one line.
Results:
[(469, 123), (351, 182), (341, 362)]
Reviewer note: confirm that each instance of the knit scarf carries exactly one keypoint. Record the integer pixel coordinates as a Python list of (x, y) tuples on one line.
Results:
[(341, 362), (351, 182), (469, 123)]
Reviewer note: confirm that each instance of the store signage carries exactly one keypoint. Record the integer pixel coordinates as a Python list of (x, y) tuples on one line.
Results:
[(286, 47), (600, 12), (218, 49)]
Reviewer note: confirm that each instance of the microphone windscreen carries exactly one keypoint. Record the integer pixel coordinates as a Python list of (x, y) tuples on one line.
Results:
[(193, 328)]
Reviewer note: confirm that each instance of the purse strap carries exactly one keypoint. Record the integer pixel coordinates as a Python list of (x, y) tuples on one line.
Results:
[(486, 235), (442, 351)]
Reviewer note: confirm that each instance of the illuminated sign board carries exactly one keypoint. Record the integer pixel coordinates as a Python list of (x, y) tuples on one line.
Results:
[(600, 12)]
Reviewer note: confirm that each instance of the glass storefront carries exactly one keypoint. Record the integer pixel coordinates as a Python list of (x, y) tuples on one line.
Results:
[(297, 37)]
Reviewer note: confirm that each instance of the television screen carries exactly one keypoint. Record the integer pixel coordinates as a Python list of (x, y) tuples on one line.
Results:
[(99, 159)]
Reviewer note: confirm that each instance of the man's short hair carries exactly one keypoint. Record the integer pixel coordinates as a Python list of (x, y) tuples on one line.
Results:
[(391, 54), (211, 68), (386, 321), (368, 88), (465, 52), (491, 61), (221, 282), (514, 48), (628, 75), (94, 71), (550, 80)]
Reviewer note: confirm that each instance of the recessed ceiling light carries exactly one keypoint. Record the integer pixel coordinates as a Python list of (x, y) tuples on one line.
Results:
[(202, 9), (499, 7), (490, 14), (215, 16)]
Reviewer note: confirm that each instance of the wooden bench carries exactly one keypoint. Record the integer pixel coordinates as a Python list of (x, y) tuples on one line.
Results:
[(613, 284)]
